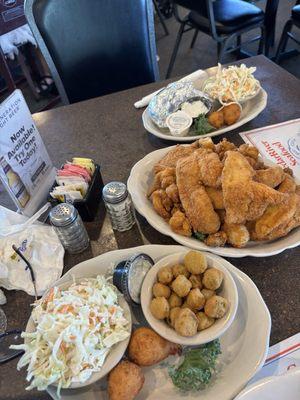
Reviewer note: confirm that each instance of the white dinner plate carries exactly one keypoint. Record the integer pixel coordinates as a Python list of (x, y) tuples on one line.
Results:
[(282, 387), (244, 345), (141, 177), (251, 109)]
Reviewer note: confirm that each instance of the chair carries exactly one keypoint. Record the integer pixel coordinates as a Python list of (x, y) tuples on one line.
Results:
[(97, 47), (286, 33), (225, 21)]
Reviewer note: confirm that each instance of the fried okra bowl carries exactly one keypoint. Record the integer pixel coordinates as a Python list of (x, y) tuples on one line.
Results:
[(189, 298)]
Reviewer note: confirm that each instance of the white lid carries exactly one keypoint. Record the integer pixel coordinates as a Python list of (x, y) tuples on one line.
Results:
[(179, 123)]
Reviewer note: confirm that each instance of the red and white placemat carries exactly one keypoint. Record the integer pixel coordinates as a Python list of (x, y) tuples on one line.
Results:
[(281, 358), (279, 143)]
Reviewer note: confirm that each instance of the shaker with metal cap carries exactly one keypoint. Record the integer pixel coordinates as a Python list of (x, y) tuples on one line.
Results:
[(69, 227), (118, 204)]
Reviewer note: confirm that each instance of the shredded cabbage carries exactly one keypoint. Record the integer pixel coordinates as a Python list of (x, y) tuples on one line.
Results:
[(235, 83), (75, 330)]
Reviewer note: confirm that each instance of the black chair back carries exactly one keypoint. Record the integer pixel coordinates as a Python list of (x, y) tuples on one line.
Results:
[(95, 47)]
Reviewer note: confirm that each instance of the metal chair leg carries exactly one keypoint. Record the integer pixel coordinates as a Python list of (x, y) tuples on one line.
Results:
[(194, 38), (161, 17), (283, 40), (175, 51), (263, 43)]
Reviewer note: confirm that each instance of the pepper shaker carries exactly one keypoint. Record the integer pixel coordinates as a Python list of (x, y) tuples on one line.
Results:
[(119, 206)]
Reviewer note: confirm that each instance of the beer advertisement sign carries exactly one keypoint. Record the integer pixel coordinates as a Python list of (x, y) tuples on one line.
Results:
[(25, 166)]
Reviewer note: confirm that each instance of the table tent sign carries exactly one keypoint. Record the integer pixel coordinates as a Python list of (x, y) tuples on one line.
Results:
[(278, 143), (25, 166)]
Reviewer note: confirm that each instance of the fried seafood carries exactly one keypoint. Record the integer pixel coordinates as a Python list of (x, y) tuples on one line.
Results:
[(172, 192), (170, 159), (288, 184), (147, 348), (217, 239), (216, 197), (245, 199), (220, 193), (162, 203), (180, 224), (195, 201), (125, 381), (271, 177), (278, 220), (237, 234), (210, 169)]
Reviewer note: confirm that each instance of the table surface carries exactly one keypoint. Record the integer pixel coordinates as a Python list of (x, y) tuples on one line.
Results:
[(109, 130)]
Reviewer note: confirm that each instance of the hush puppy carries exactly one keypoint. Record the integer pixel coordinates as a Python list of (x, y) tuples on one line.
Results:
[(125, 381), (216, 307), (204, 321), (147, 348), (179, 269), (231, 113), (161, 290), (212, 279), (175, 300), (181, 286), (165, 275), (195, 299), (160, 308), (186, 323), (216, 119), (195, 262)]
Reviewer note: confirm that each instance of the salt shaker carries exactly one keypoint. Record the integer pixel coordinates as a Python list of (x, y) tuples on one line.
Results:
[(118, 204), (69, 227)]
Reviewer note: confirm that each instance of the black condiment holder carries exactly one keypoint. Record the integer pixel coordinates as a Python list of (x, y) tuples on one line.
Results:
[(88, 206)]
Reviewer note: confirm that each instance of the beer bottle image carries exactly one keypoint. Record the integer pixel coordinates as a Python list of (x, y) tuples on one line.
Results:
[(15, 183)]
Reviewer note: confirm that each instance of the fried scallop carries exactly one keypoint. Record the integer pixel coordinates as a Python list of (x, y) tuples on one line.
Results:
[(212, 278), (147, 348), (216, 307), (160, 308), (216, 119), (217, 239), (186, 323), (180, 224), (125, 381), (181, 286), (195, 262)]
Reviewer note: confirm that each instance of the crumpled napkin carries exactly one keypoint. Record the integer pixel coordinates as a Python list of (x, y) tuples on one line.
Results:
[(40, 245)]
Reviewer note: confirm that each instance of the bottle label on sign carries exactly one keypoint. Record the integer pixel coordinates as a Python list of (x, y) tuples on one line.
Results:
[(25, 166)]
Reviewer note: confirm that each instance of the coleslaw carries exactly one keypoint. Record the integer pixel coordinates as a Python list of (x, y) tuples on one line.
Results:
[(235, 83), (75, 330)]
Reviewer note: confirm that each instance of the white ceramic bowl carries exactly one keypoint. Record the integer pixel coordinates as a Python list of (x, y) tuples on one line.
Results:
[(286, 386), (228, 290), (116, 352)]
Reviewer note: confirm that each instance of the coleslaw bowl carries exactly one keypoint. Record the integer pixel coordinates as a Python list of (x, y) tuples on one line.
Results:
[(115, 353)]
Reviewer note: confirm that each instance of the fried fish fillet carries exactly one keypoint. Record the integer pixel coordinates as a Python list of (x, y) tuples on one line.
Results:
[(195, 201), (288, 185), (210, 168), (245, 199), (278, 220), (171, 158), (271, 177)]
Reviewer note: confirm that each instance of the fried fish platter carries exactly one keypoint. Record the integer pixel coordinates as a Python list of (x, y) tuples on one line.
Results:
[(224, 194)]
